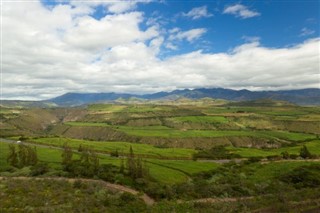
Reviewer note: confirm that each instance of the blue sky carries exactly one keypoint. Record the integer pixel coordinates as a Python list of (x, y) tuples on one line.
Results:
[(53, 47), (279, 23)]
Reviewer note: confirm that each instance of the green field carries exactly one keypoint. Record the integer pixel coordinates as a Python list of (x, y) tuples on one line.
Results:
[(86, 124), (121, 147), (267, 172), (154, 132), (201, 119), (189, 167), (313, 147), (164, 171)]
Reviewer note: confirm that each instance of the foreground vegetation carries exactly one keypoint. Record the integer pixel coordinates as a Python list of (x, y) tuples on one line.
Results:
[(195, 156)]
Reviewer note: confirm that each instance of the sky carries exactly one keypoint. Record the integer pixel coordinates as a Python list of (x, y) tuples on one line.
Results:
[(49, 47)]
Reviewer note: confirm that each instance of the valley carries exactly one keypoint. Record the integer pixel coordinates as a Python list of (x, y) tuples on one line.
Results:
[(212, 143)]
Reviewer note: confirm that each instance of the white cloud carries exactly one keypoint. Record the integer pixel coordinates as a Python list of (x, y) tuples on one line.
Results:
[(198, 12), (241, 11), (49, 52), (171, 46), (92, 34), (188, 35), (119, 6), (306, 32)]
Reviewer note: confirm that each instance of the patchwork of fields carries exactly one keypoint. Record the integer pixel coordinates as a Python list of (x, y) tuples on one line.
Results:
[(243, 150)]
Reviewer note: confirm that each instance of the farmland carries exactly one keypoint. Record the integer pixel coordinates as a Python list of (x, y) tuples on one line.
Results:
[(181, 148)]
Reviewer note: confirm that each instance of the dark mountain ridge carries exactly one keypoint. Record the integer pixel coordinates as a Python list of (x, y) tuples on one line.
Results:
[(300, 97)]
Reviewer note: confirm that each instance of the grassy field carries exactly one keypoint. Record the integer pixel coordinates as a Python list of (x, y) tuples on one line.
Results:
[(166, 175), (201, 119), (163, 131), (108, 108), (122, 147), (73, 123), (189, 167), (313, 147), (164, 171), (51, 156), (268, 171), (154, 132)]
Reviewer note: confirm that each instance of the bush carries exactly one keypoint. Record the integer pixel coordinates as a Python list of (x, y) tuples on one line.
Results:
[(114, 153), (39, 169), (301, 177), (304, 152), (255, 159), (293, 156)]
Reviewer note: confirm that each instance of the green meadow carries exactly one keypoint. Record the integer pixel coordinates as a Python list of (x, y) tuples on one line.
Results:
[(121, 147)]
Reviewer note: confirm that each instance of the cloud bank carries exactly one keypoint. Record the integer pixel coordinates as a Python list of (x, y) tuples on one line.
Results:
[(48, 52)]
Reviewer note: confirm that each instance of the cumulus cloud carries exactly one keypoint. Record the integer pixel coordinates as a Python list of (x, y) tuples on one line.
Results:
[(47, 52), (197, 13), (188, 35), (241, 11), (119, 6)]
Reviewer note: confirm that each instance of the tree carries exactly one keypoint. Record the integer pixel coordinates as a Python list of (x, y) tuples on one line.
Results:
[(135, 167), (12, 158), (122, 166), (304, 152), (66, 154), (94, 161), (139, 169), (131, 164), (23, 155), (32, 155), (285, 155)]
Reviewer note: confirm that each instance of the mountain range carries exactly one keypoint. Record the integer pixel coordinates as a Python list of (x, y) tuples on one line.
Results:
[(299, 97)]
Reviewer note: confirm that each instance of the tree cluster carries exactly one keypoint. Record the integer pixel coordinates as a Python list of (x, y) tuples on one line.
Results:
[(23, 156), (87, 165), (135, 167)]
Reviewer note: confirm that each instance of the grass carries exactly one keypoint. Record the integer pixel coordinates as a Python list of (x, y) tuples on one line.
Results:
[(153, 132), (266, 172), (108, 108), (122, 147), (147, 108), (166, 175), (313, 147), (189, 167), (74, 123), (201, 119), (51, 156)]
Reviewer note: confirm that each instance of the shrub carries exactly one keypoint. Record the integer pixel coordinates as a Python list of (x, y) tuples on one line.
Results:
[(39, 169), (304, 176), (304, 152)]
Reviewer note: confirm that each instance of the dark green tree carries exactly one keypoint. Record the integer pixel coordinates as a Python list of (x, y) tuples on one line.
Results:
[(131, 164), (94, 161), (66, 154), (121, 166), (285, 155), (22, 155), (304, 152), (12, 158), (32, 155)]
